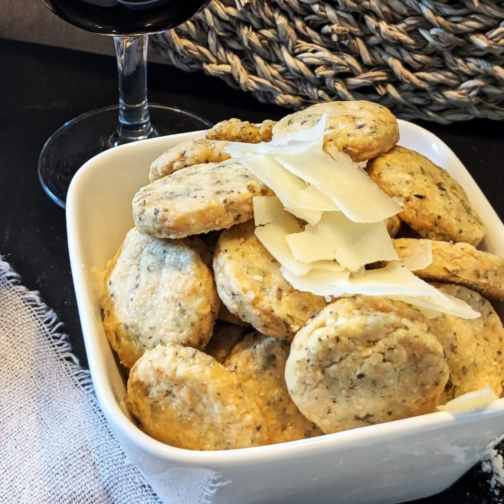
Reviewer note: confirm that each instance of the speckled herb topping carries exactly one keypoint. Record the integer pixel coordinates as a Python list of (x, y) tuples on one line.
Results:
[(185, 398), (365, 360), (198, 199), (259, 363), (362, 129), (434, 204), (250, 284), (461, 263), (157, 291), (474, 349), (188, 154)]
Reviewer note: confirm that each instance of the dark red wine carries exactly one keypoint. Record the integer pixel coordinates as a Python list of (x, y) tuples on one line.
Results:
[(125, 17)]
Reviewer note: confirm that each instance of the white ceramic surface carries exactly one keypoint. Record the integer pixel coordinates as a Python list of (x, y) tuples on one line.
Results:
[(388, 463)]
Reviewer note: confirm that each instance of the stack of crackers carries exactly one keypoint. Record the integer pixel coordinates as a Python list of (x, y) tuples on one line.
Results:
[(223, 352)]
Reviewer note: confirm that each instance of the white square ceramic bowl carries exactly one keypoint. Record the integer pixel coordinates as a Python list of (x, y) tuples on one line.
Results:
[(387, 463)]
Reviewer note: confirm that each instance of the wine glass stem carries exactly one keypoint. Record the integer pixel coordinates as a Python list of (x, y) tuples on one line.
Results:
[(134, 120)]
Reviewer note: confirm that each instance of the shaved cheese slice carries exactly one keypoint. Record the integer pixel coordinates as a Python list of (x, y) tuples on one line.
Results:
[(284, 184), (272, 236), (478, 399), (359, 272), (353, 191), (291, 143), (418, 255), (312, 198), (311, 245), (394, 281), (238, 150), (397, 281), (266, 209), (325, 266), (269, 210), (317, 281), (310, 216), (432, 308), (316, 132), (352, 244)]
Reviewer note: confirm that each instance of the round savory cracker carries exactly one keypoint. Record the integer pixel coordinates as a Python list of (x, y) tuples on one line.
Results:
[(361, 129), (365, 360), (224, 338), (434, 204), (474, 349), (460, 263), (235, 130), (258, 362), (186, 399), (187, 154), (250, 284), (198, 199), (157, 291)]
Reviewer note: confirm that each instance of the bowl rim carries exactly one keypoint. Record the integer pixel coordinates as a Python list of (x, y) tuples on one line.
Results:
[(119, 421)]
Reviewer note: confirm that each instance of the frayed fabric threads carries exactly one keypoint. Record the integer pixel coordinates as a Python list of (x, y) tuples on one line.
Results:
[(56, 446)]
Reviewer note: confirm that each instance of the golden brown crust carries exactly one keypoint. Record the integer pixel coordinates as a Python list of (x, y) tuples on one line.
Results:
[(186, 399), (365, 360), (250, 284), (474, 349), (198, 199), (434, 204), (157, 291), (235, 130), (460, 263), (361, 129), (258, 362), (186, 154), (266, 130)]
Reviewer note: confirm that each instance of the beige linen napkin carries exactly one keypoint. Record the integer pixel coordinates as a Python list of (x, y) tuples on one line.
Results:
[(55, 444)]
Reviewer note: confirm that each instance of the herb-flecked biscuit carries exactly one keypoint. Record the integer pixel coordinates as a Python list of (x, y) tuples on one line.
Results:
[(186, 399), (474, 349), (434, 204), (235, 130), (460, 263), (187, 154), (157, 291), (258, 362), (250, 284), (198, 199), (361, 129), (365, 360)]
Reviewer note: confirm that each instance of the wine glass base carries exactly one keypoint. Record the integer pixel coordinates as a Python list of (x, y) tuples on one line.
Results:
[(80, 139)]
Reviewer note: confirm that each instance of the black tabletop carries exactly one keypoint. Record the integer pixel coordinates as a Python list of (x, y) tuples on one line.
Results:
[(42, 87)]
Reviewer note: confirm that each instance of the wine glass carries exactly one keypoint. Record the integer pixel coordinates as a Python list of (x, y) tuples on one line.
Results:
[(129, 22)]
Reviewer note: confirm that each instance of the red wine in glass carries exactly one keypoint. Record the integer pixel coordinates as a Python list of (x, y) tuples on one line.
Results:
[(125, 17), (129, 22)]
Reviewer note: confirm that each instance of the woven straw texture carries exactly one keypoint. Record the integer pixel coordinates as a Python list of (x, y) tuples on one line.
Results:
[(435, 60)]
